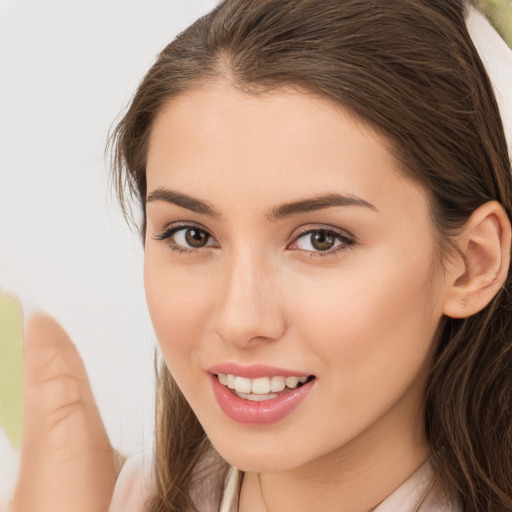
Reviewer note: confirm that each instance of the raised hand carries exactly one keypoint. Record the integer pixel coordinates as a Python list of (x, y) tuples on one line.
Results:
[(67, 461)]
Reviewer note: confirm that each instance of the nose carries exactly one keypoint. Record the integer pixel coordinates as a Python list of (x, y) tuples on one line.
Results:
[(249, 310)]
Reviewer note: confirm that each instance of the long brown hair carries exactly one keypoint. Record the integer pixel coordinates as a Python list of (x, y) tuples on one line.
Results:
[(410, 70)]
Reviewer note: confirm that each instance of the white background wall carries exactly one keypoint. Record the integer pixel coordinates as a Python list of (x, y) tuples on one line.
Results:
[(67, 68)]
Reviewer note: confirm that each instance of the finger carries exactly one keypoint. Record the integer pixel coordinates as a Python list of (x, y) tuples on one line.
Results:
[(66, 460), (55, 376)]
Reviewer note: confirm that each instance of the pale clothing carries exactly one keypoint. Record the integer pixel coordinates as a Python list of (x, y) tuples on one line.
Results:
[(134, 486), (419, 493)]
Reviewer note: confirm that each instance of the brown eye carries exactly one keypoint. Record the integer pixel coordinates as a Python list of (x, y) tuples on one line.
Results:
[(196, 238), (322, 240), (186, 238)]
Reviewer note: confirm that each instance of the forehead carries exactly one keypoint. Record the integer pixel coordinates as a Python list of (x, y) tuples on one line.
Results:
[(270, 148)]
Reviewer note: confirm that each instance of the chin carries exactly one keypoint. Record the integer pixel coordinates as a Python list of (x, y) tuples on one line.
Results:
[(254, 453), (261, 462)]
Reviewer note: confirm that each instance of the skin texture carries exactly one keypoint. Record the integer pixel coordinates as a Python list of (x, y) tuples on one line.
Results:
[(67, 461), (362, 318)]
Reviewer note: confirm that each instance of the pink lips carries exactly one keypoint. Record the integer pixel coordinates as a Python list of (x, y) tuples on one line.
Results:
[(257, 413), (254, 371)]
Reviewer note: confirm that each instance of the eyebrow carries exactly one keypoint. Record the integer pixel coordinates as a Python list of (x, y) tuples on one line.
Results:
[(276, 213), (316, 203), (183, 200)]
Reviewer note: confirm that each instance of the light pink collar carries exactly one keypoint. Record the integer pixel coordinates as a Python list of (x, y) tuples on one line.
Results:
[(421, 492)]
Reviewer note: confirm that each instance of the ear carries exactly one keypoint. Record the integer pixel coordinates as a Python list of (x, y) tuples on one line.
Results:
[(476, 275)]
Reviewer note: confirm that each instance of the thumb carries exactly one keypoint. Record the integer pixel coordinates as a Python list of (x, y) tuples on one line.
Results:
[(66, 458)]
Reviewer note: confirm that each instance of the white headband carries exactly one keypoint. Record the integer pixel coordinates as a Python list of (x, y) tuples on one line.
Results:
[(497, 58)]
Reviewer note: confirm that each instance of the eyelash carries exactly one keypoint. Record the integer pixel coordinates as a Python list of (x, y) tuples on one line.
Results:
[(170, 231), (346, 241)]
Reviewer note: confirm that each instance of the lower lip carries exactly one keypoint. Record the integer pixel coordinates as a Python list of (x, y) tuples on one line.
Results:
[(258, 413)]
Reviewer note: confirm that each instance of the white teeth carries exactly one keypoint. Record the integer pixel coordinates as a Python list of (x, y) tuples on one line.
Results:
[(260, 386), (257, 398), (292, 382), (242, 385), (277, 384)]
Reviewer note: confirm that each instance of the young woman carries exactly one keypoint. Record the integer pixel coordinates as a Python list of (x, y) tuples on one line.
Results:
[(326, 199)]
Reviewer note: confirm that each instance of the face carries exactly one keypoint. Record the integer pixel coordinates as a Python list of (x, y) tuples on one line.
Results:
[(282, 242)]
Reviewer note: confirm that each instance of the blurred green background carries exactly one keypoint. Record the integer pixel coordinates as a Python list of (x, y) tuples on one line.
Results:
[(499, 13), (11, 368)]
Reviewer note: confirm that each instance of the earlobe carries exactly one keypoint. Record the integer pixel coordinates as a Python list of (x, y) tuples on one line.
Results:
[(482, 265)]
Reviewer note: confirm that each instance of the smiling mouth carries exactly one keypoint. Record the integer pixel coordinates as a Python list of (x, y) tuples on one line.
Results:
[(262, 388)]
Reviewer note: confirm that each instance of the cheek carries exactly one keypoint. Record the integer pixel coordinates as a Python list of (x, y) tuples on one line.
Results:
[(372, 331), (179, 306)]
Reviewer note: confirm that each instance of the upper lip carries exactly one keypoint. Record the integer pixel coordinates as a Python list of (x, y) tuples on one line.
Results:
[(254, 371)]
